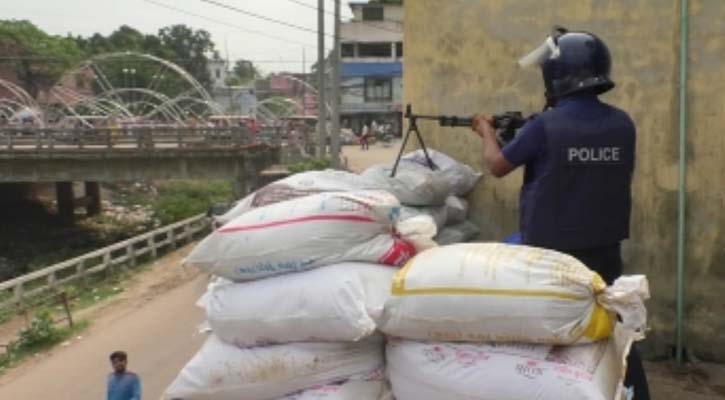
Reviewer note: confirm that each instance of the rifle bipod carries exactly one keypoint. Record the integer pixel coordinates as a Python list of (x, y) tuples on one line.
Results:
[(413, 127)]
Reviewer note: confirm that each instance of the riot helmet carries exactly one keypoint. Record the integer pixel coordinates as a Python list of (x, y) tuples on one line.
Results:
[(572, 62)]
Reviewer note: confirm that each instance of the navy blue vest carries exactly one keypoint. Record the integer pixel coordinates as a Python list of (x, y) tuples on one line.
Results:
[(580, 196)]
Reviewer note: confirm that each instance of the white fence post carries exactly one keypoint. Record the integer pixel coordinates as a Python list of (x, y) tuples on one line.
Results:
[(131, 254), (151, 243), (172, 238), (18, 294)]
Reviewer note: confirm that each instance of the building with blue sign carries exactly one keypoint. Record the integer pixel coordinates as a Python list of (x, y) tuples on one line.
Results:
[(372, 67)]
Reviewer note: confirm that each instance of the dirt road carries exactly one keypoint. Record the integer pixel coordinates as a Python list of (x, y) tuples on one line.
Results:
[(154, 321), (358, 160)]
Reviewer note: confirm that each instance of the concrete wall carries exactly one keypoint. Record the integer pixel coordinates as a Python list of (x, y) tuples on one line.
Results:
[(467, 64)]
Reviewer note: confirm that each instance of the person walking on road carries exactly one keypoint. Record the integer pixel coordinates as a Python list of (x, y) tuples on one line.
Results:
[(122, 383), (578, 157), (364, 137)]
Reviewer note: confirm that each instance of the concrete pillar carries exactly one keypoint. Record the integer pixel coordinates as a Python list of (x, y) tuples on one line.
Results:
[(251, 173), (93, 194), (66, 199), (240, 187)]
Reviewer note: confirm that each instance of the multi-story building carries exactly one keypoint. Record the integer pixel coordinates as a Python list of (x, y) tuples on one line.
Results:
[(371, 53)]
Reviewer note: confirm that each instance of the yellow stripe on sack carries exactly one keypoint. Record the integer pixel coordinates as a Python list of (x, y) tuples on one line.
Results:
[(399, 278), (400, 290), (598, 283), (601, 324)]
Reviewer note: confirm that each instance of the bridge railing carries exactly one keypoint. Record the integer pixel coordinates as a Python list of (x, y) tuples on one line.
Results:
[(126, 254), (109, 139)]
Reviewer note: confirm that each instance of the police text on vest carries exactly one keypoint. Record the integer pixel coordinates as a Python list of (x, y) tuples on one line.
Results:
[(593, 154)]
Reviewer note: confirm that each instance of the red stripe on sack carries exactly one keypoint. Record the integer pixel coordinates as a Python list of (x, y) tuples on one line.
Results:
[(346, 218), (400, 252)]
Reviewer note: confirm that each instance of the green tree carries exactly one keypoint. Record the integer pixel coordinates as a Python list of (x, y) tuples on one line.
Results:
[(38, 59), (96, 44), (126, 38), (190, 48), (245, 71)]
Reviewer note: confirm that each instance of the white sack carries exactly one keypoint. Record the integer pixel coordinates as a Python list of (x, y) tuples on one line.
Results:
[(413, 184), (333, 303), (456, 210), (458, 233), (439, 214), (369, 387), (448, 371), (220, 371), (309, 232), (494, 292), (295, 186), (462, 177)]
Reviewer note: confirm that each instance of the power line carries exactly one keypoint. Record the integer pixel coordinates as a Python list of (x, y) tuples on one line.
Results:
[(270, 19), (262, 17), (260, 33), (385, 28)]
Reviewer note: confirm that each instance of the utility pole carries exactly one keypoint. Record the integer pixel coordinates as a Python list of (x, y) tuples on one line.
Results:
[(335, 134), (321, 111), (304, 87)]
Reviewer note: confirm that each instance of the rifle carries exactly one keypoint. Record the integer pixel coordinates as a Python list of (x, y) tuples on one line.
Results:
[(506, 125)]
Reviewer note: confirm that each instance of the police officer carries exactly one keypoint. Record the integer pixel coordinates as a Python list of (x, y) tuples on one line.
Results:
[(578, 157)]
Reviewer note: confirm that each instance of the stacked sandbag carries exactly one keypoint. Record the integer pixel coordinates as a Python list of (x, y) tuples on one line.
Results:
[(456, 210), (296, 186), (220, 371), (312, 231), (413, 184), (457, 229), (301, 284), (368, 387), (333, 303), (421, 190), (509, 371), (417, 184), (537, 323), (461, 177)]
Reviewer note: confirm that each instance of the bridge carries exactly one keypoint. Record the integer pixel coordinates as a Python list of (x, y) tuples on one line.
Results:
[(139, 154)]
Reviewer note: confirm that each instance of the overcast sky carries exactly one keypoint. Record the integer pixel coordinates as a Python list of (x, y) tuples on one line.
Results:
[(85, 17)]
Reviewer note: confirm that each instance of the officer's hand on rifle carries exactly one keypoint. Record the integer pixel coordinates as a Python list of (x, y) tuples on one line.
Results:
[(492, 156), (483, 126)]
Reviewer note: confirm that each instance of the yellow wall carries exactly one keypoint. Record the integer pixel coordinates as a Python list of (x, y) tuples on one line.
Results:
[(460, 58)]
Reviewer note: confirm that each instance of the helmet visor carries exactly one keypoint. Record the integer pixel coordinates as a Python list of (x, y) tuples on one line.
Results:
[(548, 50)]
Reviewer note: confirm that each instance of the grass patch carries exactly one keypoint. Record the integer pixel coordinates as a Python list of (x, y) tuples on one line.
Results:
[(312, 164), (185, 199), (41, 335)]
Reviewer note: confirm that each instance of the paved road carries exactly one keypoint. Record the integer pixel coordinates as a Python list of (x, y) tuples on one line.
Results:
[(159, 336)]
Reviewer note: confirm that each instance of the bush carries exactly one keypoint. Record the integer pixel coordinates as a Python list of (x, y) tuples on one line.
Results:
[(39, 336), (41, 333), (312, 164), (180, 200)]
